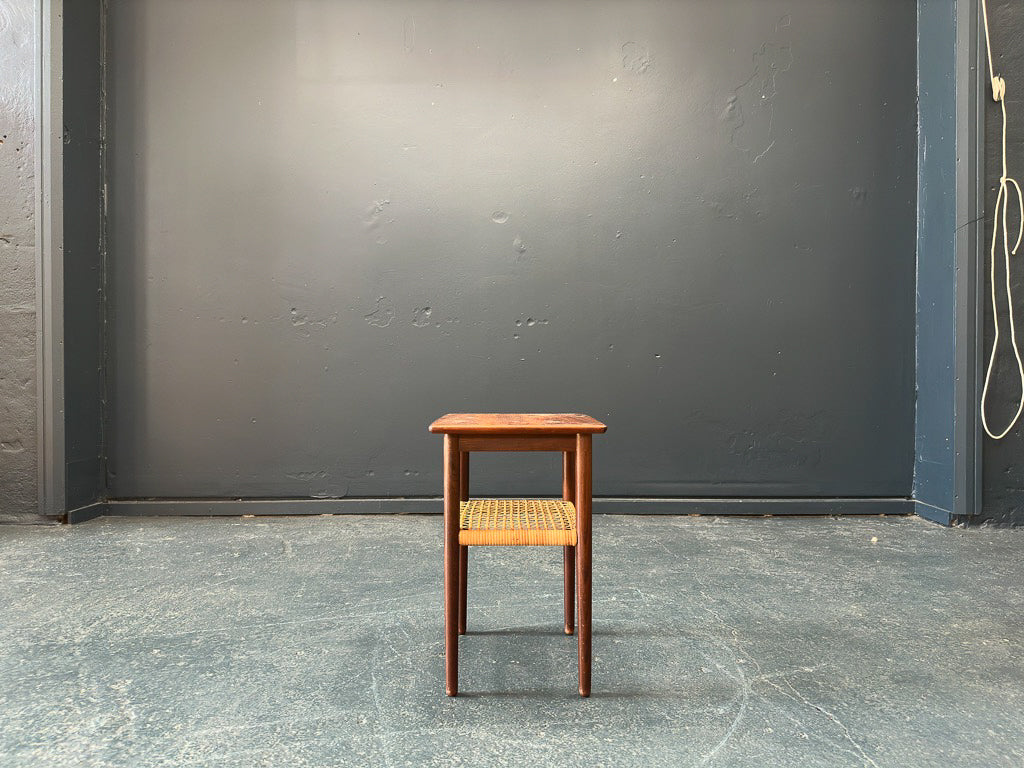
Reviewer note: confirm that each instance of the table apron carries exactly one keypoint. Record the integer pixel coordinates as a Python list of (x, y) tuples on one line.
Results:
[(561, 443)]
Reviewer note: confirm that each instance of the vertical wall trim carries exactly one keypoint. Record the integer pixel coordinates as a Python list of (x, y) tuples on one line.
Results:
[(970, 211), (49, 145), (917, 264), (104, 240), (937, 271)]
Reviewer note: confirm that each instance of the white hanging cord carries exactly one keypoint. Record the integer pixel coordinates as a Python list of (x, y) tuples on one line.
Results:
[(999, 217)]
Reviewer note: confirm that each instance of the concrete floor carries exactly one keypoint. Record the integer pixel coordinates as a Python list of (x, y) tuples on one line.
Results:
[(317, 642)]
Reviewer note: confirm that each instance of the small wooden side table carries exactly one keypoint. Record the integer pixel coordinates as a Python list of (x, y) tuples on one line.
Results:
[(529, 522)]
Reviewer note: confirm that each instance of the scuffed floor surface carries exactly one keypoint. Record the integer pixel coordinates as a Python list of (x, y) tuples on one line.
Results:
[(317, 642)]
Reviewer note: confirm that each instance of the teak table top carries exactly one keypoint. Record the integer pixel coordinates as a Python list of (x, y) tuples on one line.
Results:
[(517, 424)]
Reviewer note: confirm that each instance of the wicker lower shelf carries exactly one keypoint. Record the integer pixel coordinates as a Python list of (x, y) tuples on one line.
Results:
[(517, 522)]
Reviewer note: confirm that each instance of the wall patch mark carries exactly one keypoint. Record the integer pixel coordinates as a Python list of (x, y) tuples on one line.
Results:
[(421, 317), (751, 108), (374, 213), (304, 322), (636, 58), (409, 34), (382, 315)]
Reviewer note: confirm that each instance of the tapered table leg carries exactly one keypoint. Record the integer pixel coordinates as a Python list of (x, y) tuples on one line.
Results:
[(463, 551), (583, 552), (569, 553), (451, 564)]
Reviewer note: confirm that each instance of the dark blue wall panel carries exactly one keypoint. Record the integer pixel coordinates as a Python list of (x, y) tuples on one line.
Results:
[(936, 258)]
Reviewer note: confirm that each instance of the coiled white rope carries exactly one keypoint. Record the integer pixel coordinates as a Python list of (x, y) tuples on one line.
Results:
[(999, 218)]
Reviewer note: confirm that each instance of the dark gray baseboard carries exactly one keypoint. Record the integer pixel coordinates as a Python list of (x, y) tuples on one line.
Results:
[(419, 506)]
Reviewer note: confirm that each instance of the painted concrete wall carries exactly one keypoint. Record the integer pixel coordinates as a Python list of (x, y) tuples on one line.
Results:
[(1003, 494), (332, 222), (18, 443)]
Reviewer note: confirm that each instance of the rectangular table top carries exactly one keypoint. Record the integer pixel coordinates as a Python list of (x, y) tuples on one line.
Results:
[(517, 424)]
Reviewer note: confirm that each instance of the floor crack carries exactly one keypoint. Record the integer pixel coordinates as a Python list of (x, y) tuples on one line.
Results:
[(797, 696)]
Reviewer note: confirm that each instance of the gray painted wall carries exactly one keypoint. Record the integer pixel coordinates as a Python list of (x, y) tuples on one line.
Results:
[(18, 442), (1003, 499), (332, 222)]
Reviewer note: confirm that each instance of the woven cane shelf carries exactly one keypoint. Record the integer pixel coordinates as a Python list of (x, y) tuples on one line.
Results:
[(517, 522)]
